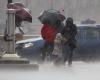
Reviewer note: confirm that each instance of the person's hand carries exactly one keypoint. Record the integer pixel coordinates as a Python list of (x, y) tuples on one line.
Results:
[(64, 40)]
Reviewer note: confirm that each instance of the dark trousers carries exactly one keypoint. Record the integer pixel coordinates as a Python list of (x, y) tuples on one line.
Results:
[(47, 50), (67, 54)]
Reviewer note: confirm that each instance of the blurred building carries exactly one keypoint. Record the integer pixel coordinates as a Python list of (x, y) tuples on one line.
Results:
[(78, 9)]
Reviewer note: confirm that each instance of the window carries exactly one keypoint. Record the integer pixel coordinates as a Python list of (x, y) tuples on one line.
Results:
[(92, 33)]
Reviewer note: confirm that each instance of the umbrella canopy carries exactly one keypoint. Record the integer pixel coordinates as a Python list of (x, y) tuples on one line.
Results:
[(57, 14), (51, 17), (22, 13)]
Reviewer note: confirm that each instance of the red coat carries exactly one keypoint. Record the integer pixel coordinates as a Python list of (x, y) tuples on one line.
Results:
[(48, 33)]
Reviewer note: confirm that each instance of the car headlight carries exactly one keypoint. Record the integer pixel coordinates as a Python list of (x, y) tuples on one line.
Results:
[(27, 45)]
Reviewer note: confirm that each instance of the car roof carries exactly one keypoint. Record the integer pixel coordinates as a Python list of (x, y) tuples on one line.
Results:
[(29, 40), (88, 25)]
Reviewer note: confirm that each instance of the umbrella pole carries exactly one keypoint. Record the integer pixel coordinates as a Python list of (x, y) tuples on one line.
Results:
[(11, 31)]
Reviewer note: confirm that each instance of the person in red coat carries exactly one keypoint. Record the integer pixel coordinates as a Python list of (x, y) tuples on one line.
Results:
[(48, 33)]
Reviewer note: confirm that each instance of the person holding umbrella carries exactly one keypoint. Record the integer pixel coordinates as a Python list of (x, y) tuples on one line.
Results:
[(52, 22), (48, 33), (69, 42), (22, 14)]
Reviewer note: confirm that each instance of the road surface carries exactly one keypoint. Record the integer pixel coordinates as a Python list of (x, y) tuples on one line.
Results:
[(78, 71)]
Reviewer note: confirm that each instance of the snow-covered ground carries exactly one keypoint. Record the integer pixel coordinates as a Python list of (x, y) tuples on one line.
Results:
[(78, 71)]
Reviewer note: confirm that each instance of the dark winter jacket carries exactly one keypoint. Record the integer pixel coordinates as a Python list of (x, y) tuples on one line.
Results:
[(70, 33)]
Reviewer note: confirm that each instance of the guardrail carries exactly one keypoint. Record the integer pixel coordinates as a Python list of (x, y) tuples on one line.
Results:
[(25, 36)]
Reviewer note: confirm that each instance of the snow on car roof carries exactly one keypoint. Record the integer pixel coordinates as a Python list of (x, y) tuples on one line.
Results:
[(29, 40), (88, 25)]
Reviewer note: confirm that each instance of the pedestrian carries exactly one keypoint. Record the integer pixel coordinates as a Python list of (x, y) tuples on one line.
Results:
[(69, 42), (57, 52), (48, 33)]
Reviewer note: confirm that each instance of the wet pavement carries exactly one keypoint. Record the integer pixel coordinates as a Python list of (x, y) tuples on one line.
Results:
[(78, 71)]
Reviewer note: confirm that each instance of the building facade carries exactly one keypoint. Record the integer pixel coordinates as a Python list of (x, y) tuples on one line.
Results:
[(78, 9)]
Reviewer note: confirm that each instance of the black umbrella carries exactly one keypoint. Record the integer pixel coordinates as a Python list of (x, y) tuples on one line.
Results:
[(51, 16)]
